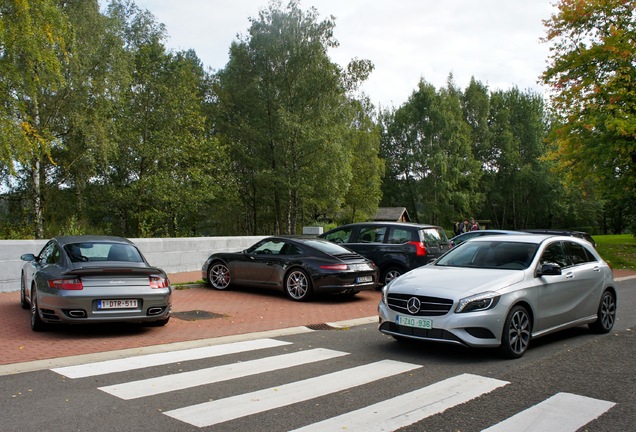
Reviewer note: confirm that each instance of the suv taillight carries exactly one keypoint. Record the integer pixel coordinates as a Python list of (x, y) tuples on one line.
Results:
[(420, 250), (66, 284), (159, 282)]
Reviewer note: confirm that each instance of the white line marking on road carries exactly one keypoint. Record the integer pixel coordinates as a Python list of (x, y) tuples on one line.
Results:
[(214, 412), (180, 381), (409, 408), (564, 412), (158, 359)]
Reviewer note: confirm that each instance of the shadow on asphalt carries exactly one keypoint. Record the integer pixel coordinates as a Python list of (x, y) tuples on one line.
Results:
[(89, 330), (459, 354)]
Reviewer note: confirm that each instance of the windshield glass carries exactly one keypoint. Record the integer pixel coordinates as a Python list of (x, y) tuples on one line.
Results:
[(494, 254)]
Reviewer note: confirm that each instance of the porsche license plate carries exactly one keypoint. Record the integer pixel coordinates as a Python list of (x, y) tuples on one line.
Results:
[(117, 304), (363, 279)]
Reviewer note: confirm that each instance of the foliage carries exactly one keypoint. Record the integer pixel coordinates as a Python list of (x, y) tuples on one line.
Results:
[(286, 120), (105, 130), (34, 40), (430, 165), (452, 155), (83, 115), (592, 70), (363, 196), (516, 181), (618, 250), (159, 178), (116, 133)]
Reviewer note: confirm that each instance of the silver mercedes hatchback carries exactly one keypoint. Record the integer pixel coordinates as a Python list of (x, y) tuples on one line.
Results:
[(502, 291)]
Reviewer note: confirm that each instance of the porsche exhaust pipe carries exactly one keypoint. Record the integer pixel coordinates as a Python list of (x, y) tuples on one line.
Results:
[(155, 310), (77, 313)]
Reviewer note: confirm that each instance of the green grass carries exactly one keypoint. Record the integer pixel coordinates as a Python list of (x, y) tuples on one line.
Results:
[(618, 250)]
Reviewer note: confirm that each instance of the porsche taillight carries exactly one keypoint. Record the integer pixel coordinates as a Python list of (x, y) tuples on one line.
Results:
[(159, 282), (66, 284), (334, 267)]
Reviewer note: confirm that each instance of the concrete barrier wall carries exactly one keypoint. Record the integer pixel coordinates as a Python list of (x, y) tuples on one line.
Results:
[(173, 255)]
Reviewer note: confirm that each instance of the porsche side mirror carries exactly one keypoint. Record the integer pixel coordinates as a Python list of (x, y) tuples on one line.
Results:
[(28, 257)]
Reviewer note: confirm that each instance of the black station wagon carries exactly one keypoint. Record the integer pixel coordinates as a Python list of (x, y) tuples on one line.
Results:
[(394, 247)]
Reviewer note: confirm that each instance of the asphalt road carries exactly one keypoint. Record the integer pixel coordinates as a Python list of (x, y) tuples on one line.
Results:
[(280, 382)]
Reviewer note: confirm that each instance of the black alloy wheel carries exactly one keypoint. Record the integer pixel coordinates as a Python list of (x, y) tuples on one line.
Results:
[(606, 315)]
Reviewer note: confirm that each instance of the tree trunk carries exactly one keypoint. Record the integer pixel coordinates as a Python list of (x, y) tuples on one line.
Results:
[(37, 199)]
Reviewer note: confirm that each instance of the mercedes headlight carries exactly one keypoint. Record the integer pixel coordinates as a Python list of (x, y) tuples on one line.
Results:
[(478, 302)]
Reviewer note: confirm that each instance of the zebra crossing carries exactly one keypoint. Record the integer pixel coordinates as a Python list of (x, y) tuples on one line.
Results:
[(563, 411)]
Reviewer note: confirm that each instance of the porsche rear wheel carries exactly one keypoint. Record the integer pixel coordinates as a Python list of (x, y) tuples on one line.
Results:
[(36, 322)]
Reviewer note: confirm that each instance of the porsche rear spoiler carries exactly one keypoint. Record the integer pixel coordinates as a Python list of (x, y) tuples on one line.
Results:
[(119, 271)]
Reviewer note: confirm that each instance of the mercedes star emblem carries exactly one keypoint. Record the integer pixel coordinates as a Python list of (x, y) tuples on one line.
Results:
[(413, 305)]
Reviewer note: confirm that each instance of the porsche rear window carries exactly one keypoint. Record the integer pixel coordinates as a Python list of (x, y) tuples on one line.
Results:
[(82, 252)]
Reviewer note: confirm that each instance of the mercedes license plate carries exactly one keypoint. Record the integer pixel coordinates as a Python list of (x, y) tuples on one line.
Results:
[(414, 322)]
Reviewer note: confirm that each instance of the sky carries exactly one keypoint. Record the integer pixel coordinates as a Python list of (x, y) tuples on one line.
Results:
[(495, 41)]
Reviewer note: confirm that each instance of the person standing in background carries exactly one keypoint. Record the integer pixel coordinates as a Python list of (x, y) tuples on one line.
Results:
[(464, 226)]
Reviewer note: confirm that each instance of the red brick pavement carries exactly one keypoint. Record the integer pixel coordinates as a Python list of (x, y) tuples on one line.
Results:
[(237, 312), (241, 311)]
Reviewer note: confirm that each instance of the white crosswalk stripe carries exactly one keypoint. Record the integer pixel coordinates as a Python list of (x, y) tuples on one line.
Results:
[(564, 411), (149, 360), (412, 407), (218, 411), (183, 380)]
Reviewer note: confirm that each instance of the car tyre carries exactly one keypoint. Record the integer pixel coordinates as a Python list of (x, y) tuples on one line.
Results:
[(23, 302), (516, 333), (298, 285), (391, 273), (606, 315), (219, 276), (37, 324)]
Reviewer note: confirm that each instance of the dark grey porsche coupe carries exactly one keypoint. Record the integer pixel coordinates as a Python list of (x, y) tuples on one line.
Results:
[(81, 279)]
